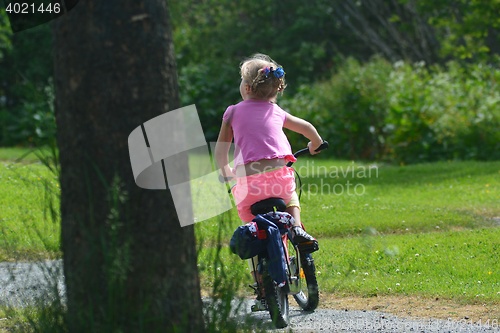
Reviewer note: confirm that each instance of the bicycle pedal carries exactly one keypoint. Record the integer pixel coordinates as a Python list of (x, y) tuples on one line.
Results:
[(259, 306), (308, 247)]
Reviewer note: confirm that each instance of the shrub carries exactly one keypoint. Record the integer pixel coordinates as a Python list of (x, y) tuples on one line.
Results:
[(349, 109), (406, 113)]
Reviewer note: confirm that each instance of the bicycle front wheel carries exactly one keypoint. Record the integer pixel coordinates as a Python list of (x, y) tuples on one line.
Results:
[(308, 297)]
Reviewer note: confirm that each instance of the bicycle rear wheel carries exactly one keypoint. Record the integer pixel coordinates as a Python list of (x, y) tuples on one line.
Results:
[(276, 299)]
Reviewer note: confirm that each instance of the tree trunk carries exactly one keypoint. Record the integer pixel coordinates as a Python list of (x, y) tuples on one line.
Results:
[(129, 266)]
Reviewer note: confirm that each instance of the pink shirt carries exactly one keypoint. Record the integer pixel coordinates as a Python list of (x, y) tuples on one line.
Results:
[(258, 131)]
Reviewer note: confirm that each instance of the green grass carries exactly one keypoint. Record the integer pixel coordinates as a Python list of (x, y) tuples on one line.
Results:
[(461, 265), (369, 240), (428, 229), (29, 225), (419, 198), (406, 200), (12, 154), (46, 318), (458, 265)]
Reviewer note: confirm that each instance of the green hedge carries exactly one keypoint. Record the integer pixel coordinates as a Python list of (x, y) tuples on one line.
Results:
[(405, 113)]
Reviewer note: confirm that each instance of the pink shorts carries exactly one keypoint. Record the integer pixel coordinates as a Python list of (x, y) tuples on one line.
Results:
[(279, 183)]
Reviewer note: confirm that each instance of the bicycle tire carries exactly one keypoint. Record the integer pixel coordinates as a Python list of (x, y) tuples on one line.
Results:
[(309, 301), (276, 299)]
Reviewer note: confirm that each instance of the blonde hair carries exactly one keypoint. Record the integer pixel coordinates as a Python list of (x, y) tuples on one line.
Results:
[(257, 71)]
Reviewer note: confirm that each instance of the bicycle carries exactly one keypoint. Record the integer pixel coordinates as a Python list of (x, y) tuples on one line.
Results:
[(253, 240)]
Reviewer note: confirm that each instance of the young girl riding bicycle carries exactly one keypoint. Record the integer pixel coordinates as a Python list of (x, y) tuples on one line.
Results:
[(261, 147)]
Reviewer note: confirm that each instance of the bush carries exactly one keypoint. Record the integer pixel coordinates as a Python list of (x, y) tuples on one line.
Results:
[(32, 121), (406, 113), (212, 90), (26, 88), (450, 113)]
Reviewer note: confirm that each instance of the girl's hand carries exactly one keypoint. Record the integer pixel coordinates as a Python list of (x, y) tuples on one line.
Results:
[(228, 173), (312, 147)]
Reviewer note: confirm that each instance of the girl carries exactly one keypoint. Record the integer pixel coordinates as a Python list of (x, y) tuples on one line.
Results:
[(261, 147)]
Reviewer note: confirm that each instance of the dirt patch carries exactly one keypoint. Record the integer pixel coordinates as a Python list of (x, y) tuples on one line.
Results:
[(415, 307)]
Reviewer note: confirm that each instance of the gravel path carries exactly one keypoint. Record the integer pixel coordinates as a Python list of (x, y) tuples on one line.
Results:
[(22, 284), (329, 320)]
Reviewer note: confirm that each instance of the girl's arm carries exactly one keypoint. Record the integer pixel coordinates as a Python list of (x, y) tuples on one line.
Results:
[(305, 128), (222, 149)]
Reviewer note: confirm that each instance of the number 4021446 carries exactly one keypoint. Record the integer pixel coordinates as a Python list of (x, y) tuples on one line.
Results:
[(32, 8)]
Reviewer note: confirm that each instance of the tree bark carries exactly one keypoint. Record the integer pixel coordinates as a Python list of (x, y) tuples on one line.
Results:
[(128, 264)]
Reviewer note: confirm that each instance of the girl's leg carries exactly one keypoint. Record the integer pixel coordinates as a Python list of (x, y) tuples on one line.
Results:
[(295, 212), (252, 263), (258, 286), (300, 235), (293, 208)]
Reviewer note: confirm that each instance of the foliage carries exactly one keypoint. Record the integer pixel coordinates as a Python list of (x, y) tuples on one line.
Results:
[(202, 85), (26, 89), (213, 37), (395, 29), (310, 38), (467, 29), (445, 114), (406, 112), (5, 33), (348, 109)]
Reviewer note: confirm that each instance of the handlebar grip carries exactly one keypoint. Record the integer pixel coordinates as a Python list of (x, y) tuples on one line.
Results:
[(305, 151), (324, 145), (223, 179)]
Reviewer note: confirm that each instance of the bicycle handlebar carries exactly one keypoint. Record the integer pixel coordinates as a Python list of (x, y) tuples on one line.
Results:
[(305, 151)]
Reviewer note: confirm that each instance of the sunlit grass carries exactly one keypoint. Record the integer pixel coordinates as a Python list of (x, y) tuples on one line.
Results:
[(418, 198), (425, 229), (13, 154), (29, 228), (460, 265), (408, 199)]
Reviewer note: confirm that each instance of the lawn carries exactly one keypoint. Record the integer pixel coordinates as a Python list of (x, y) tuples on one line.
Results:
[(428, 229), (394, 199), (460, 265), (29, 224), (13, 154)]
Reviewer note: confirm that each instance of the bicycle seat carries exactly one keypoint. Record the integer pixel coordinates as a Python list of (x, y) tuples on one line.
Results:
[(268, 205)]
